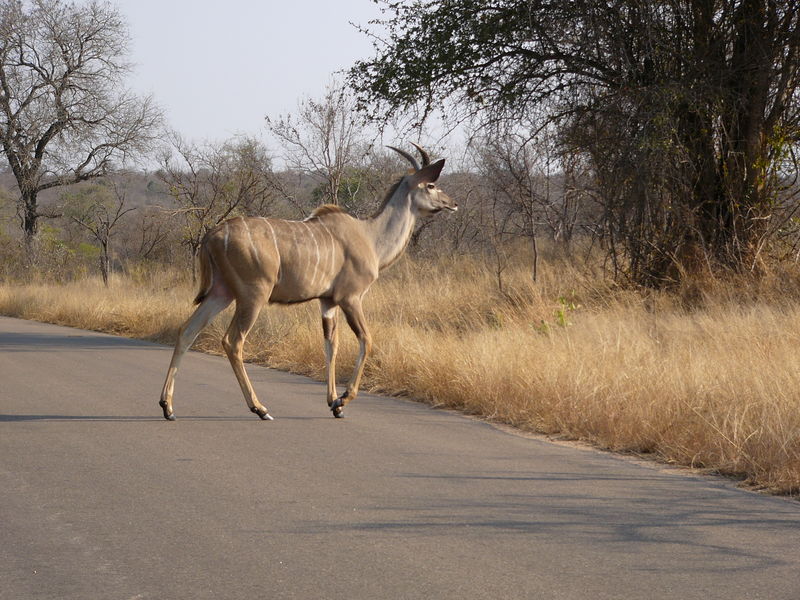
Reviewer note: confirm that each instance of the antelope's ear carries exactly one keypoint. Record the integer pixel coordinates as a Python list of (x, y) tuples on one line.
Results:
[(428, 174)]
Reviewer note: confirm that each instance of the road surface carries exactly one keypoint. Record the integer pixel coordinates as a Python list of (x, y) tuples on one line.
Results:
[(100, 497)]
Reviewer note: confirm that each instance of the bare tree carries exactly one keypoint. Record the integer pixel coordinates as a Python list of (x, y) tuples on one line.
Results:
[(64, 116), (211, 182), (324, 139), (150, 233), (528, 178), (98, 209), (463, 231)]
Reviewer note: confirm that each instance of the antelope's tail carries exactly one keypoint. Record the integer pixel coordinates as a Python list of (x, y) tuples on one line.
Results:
[(206, 275)]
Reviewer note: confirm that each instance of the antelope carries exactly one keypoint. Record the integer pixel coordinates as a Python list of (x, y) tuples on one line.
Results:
[(331, 256)]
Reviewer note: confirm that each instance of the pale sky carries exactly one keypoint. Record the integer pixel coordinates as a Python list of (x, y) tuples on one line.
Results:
[(218, 67)]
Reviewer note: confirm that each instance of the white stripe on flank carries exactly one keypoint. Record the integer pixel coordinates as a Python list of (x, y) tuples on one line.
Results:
[(274, 239), (295, 248), (316, 253), (250, 238), (331, 254), (226, 237)]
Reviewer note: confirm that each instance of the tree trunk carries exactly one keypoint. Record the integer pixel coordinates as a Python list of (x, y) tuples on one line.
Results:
[(105, 263), (30, 215), (195, 250)]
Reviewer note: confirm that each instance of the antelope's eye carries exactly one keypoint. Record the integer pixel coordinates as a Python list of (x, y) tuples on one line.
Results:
[(431, 186)]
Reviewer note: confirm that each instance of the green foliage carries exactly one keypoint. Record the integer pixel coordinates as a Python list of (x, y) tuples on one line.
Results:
[(444, 48), (88, 251), (87, 202), (50, 242), (561, 315), (566, 306), (52, 257)]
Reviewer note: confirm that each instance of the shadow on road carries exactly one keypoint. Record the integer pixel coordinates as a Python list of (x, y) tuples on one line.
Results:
[(657, 518), (24, 418), (36, 342)]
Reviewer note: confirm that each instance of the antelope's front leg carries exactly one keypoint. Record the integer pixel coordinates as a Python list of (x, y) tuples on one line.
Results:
[(355, 318), (233, 342), (329, 318)]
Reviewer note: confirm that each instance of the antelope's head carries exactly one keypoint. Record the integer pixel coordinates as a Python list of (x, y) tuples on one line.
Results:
[(426, 197)]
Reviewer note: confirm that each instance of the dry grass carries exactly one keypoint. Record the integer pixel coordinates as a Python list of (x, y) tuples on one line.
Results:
[(717, 386)]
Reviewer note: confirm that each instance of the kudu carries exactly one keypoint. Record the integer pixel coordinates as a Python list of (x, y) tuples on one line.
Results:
[(330, 256)]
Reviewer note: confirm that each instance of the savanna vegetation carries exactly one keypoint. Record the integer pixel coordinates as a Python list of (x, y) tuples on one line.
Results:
[(623, 267)]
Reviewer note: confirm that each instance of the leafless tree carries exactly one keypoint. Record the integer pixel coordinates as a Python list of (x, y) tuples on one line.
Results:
[(529, 189), (325, 139), (64, 114), (527, 175), (149, 234), (99, 209)]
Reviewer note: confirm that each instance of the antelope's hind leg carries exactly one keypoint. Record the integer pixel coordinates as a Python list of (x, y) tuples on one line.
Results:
[(243, 320), (210, 307)]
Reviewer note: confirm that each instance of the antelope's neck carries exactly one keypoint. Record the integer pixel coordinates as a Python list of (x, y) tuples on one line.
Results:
[(391, 229)]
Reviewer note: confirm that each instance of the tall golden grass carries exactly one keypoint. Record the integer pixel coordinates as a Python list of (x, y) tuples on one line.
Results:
[(707, 377)]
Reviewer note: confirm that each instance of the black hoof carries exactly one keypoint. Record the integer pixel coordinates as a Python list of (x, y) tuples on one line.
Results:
[(168, 415), (337, 408), (262, 413)]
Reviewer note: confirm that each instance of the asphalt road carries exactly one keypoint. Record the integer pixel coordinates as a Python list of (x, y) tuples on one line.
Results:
[(100, 497)]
